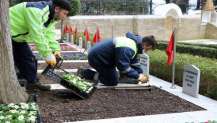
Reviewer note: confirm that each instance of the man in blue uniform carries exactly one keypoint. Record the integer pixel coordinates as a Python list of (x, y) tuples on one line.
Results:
[(121, 53)]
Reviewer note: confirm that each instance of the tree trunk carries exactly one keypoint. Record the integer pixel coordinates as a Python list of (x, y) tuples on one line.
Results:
[(10, 90)]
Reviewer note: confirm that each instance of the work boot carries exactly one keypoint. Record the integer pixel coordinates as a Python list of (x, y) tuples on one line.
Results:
[(37, 86), (80, 72), (22, 82)]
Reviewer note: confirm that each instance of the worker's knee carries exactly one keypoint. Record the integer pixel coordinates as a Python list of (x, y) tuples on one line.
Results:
[(108, 77), (109, 83)]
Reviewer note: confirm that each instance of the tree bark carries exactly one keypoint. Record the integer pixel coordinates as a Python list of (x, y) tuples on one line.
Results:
[(10, 90)]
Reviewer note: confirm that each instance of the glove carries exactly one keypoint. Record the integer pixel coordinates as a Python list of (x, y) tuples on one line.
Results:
[(143, 79), (51, 60), (57, 54)]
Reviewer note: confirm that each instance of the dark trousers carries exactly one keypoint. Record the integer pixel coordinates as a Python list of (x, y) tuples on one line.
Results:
[(25, 61), (107, 75)]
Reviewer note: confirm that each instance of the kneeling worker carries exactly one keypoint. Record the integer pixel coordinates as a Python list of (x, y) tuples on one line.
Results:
[(121, 53)]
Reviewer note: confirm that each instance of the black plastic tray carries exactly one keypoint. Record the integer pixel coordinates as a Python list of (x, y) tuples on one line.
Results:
[(49, 73)]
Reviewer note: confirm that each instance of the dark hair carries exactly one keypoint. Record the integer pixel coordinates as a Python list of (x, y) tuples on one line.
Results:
[(150, 41), (63, 4)]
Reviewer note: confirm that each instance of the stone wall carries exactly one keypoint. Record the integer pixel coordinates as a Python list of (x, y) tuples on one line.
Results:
[(187, 27)]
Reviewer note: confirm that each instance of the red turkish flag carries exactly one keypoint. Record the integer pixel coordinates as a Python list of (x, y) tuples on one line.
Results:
[(170, 49), (97, 36), (67, 29), (87, 34)]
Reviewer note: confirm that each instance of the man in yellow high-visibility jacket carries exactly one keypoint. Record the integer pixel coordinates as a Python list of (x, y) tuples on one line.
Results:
[(34, 22)]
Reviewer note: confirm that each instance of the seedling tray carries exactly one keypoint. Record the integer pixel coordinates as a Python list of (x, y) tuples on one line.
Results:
[(49, 72), (20, 113)]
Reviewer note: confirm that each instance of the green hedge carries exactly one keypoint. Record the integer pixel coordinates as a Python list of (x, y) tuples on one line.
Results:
[(201, 45), (208, 67), (209, 52), (190, 44)]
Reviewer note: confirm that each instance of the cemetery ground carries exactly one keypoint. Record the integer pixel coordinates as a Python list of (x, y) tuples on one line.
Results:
[(110, 104), (62, 105), (125, 103)]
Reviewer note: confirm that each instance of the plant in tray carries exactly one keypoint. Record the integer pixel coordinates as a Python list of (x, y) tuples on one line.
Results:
[(18, 113), (76, 81)]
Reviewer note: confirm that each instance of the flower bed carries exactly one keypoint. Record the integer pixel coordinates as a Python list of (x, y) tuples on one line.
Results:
[(67, 65), (68, 56), (19, 113), (64, 47), (61, 105)]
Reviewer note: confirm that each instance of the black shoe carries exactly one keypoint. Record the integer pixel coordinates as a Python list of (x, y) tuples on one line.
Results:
[(80, 72), (22, 82), (37, 86)]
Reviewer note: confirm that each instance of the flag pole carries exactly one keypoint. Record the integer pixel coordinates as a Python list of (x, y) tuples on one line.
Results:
[(174, 61), (112, 31)]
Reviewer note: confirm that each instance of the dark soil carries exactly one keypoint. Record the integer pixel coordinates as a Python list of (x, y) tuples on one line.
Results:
[(62, 105), (67, 65)]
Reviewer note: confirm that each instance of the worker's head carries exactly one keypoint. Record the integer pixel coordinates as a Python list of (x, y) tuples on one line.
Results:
[(149, 43), (61, 9)]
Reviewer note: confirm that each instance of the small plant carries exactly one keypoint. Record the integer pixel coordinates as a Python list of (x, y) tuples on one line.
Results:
[(18, 113), (76, 81)]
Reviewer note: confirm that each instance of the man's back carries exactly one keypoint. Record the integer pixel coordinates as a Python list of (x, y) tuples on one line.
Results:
[(103, 53), (26, 16), (109, 52)]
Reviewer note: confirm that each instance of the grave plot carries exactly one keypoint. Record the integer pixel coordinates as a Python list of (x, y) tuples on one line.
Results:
[(68, 65), (69, 55), (62, 106), (64, 47), (72, 60)]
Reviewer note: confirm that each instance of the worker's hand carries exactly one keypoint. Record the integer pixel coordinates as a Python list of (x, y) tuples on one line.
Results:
[(57, 54), (142, 79), (51, 60)]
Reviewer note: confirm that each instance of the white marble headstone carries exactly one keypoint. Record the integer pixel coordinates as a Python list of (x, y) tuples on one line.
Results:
[(191, 80), (88, 45), (144, 61), (80, 42)]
